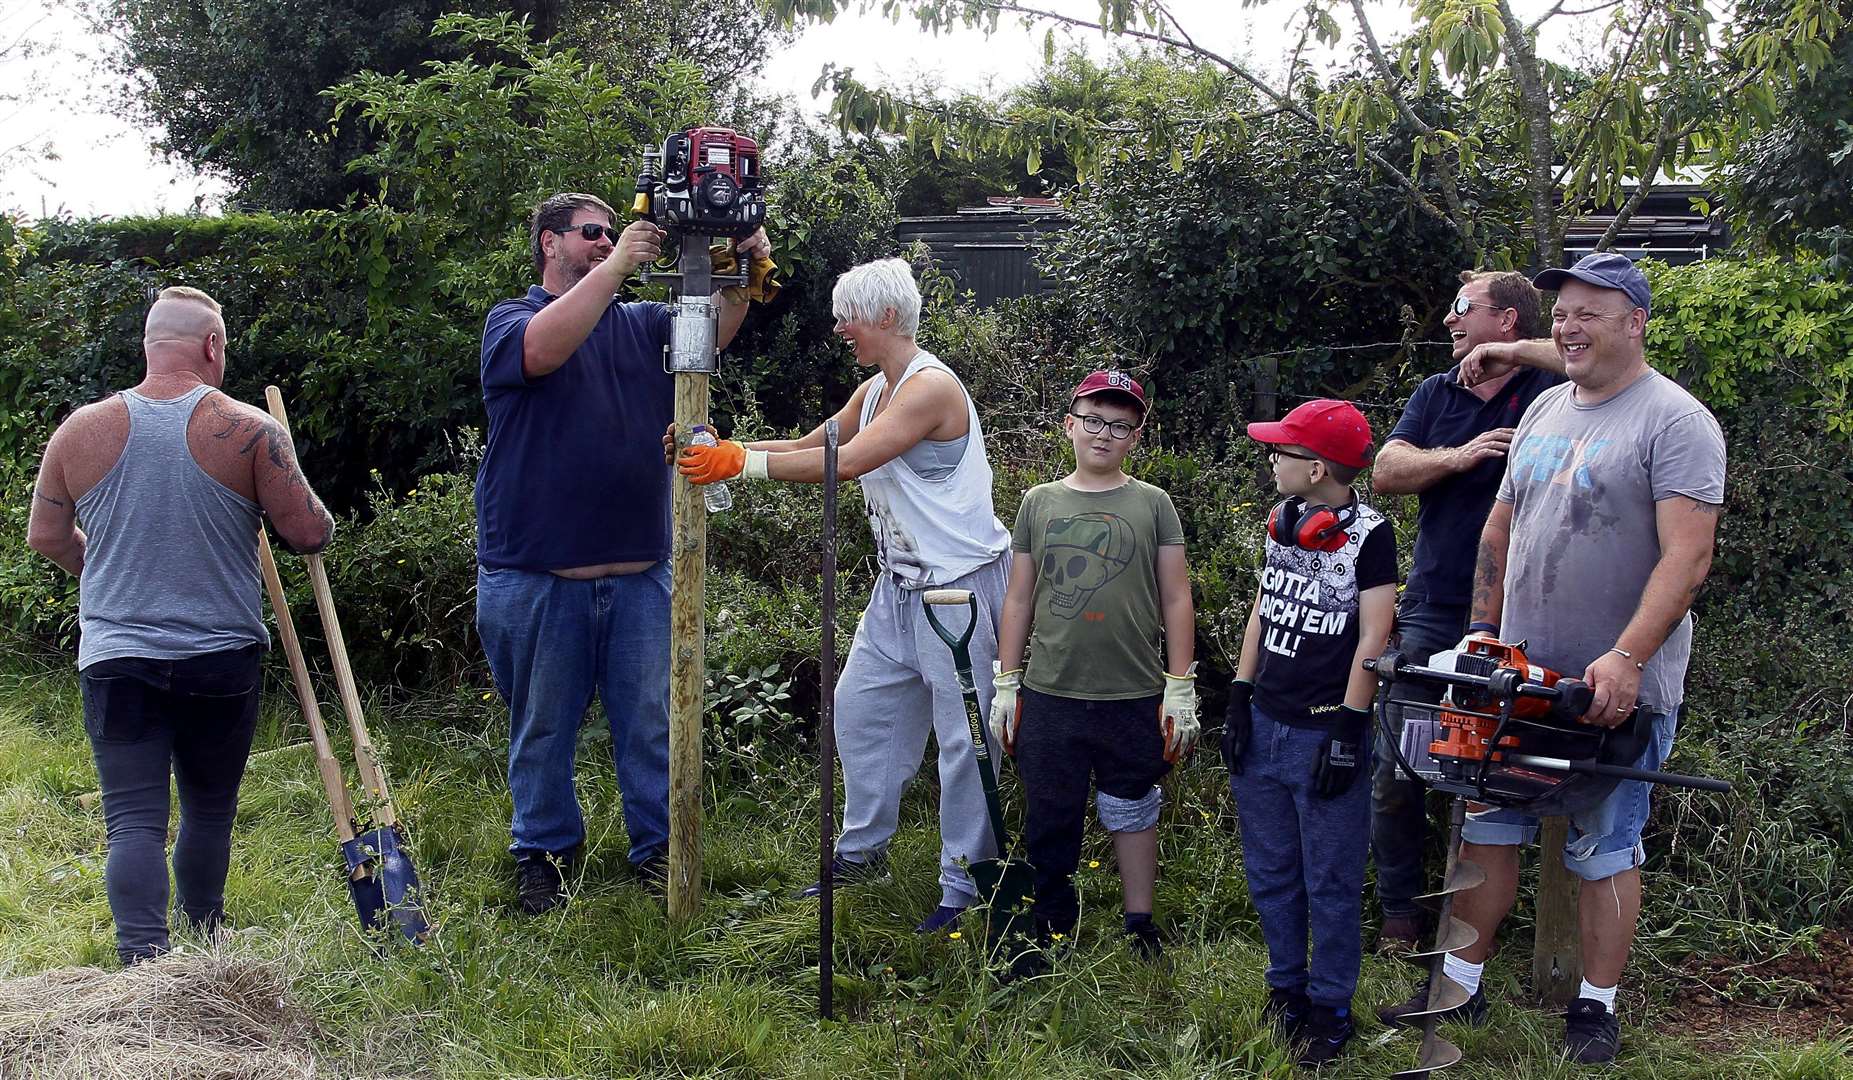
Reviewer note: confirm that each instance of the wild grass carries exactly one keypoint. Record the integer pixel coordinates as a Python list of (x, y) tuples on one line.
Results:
[(610, 988)]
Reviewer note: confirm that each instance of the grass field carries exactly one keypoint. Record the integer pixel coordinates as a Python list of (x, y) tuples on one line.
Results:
[(609, 988)]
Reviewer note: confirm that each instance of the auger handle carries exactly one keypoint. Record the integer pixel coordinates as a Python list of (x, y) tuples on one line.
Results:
[(1622, 772)]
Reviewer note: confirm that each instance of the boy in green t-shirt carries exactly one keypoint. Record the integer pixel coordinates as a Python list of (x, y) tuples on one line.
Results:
[(1099, 569)]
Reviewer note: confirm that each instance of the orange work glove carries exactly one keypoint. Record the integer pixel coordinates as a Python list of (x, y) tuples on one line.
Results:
[(723, 461), (759, 284)]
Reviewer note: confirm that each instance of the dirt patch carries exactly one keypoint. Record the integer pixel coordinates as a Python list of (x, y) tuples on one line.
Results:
[(1803, 995)]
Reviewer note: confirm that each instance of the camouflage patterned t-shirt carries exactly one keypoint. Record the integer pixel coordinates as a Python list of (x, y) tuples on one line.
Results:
[(1097, 615)]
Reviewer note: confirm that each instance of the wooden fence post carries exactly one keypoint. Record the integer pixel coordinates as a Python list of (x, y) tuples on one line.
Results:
[(1556, 956)]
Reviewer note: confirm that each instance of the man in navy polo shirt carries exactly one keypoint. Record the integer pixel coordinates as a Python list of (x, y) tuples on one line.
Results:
[(572, 535), (1449, 450)]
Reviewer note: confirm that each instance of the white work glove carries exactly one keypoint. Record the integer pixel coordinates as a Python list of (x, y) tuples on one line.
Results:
[(1006, 710), (1177, 714)]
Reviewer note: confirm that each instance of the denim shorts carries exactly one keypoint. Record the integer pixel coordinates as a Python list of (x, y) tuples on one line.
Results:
[(1605, 839)]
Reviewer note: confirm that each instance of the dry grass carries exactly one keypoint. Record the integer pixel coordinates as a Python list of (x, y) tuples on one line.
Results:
[(199, 1015)]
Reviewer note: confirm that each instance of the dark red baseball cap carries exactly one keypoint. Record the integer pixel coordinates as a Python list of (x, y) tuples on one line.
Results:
[(1335, 430), (1116, 381)]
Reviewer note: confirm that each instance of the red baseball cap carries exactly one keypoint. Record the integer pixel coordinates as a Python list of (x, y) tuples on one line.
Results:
[(1116, 381), (1335, 430)]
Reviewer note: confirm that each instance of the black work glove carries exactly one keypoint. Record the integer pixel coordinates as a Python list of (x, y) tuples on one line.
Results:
[(1342, 757), (1237, 723)]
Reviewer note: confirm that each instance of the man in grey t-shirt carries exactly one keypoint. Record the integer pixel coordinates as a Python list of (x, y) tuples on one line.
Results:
[(1600, 537)]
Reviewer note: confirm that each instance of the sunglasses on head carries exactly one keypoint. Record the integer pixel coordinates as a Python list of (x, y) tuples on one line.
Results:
[(1462, 306), (591, 231)]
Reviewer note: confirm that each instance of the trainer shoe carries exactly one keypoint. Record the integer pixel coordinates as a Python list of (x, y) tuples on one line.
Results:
[(1591, 1034), (538, 883), (943, 918), (873, 871), (1326, 1033), (1285, 1012), (1400, 934), (653, 873), (1144, 938), (1471, 1012)]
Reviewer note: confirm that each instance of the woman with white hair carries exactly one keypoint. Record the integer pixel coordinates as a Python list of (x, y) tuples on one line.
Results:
[(910, 434)]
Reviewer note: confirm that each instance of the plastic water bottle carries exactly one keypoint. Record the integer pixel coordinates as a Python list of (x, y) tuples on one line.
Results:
[(716, 496)]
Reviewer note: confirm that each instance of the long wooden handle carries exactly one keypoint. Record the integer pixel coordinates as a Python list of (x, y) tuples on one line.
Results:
[(366, 759), (334, 784)]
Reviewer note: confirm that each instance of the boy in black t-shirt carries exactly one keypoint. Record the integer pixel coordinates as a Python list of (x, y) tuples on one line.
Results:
[(1099, 571), (1295, 740)]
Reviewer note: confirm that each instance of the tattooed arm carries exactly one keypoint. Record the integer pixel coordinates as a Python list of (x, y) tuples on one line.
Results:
[(297, 516), (1489, 571), (52, 530)]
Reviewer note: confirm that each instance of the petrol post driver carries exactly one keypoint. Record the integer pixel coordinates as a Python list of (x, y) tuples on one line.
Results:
[(1507, 733), (703, 183)]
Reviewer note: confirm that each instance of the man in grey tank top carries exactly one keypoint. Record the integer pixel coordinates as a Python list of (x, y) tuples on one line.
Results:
[(170, 480)]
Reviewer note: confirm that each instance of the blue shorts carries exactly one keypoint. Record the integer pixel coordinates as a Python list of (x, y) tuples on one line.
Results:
[(1605, 839)]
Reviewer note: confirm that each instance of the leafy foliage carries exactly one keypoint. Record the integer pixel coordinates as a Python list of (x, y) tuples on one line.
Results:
[(1793, 181), (1645, 104), (237, 87)]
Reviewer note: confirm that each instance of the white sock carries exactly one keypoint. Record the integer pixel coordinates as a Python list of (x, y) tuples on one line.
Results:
[(1604, 994), (1468, 975)]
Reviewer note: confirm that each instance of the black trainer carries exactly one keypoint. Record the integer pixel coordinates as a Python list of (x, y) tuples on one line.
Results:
[(1144, 938), (1591, 1034), (874, 871), (1286, 1012), (1324, 1035), (653, 874), (538, 883), (1471, 1012)]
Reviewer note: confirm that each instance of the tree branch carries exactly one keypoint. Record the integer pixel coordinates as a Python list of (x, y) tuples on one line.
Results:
[(1279, 98), (1610, 82), (1535, 103), (1444, 176), (1664, 141), (1558, 9)]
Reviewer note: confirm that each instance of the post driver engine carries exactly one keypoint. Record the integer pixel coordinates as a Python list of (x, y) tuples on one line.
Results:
[(703, 182)]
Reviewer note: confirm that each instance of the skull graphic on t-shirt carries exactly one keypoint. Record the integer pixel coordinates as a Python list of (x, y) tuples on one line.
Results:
[(1080, 554)]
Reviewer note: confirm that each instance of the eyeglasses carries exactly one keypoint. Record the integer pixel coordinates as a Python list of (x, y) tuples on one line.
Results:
[(591, 231), (1092, 424), (1277, 452), (1462, 306)]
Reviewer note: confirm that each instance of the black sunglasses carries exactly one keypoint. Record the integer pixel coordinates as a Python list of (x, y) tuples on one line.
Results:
[(591, 231), (1462, 306), (1275, 451)]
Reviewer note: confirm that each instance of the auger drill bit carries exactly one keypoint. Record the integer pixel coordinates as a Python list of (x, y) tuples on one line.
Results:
[(1451, 934)]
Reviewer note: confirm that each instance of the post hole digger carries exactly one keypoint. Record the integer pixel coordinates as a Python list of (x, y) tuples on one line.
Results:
[(381, 879), (1006, 886), (1508, 733)]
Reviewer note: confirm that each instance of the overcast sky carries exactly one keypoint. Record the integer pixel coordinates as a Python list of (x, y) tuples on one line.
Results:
[(100, 164)]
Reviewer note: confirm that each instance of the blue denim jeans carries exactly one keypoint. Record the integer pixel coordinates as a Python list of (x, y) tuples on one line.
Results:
[(149, 720), (552, 644), (1304, 858), (1399, 814)]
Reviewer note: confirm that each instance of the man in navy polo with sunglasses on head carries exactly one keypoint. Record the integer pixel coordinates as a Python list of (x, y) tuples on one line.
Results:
[(572, 509), (1449, 450)]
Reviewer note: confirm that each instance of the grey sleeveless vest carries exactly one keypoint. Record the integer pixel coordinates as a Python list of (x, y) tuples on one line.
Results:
[(170, 560)]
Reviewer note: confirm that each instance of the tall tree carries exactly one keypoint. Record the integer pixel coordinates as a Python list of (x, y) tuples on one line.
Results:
[(1669, 84), (1794, 181)]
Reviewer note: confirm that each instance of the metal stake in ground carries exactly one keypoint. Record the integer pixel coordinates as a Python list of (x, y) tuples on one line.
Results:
[(826, 741)]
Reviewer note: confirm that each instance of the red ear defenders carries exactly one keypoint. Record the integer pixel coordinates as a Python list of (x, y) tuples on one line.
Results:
[(1315, 527)]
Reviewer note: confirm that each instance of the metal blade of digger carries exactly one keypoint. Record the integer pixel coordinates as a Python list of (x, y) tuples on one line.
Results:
[(1450, 934)]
